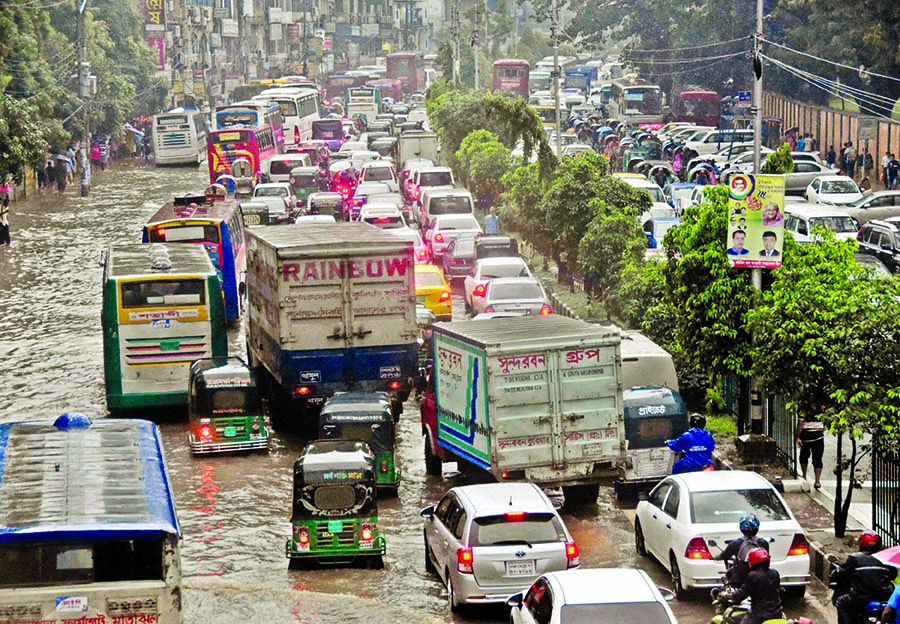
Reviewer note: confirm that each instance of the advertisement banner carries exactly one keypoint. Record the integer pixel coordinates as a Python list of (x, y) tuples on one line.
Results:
[(755, 221), (159, 43), (154, 14)]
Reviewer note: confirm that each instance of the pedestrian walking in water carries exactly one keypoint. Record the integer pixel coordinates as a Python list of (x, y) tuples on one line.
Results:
[(62, 176), (50, 170), (40, 175), (4, 221)]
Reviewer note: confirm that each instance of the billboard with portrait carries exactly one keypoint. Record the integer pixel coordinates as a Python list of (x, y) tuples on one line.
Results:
[(755, 221)]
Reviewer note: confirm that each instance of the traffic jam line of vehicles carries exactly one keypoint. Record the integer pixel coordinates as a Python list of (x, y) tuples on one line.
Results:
[(342, 269)]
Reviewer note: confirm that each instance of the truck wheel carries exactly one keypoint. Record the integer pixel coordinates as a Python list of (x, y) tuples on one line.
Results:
[(581, 495), (396, 408), (433, 463)]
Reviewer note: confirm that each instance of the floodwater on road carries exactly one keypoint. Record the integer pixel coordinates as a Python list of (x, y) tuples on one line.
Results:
[(235, 510)]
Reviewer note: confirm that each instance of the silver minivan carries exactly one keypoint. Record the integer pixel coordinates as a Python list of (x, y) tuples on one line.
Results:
[(712, 141), (800, 219), (489, 541), (437, 202)]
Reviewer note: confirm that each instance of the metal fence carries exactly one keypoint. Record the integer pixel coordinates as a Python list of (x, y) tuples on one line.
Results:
[(781, 426), (886, 496)]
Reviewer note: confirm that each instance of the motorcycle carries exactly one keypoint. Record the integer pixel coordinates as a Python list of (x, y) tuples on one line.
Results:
[(873, 610)]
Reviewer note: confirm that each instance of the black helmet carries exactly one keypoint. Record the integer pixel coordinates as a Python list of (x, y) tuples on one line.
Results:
[(749, 524), (698, 421)]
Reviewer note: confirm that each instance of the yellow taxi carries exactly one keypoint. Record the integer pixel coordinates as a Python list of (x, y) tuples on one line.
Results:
[(433, 292)]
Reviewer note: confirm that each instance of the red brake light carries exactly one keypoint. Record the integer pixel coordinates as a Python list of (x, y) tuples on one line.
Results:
[(445, 295), (422, 254), (572, 555), (439, 238), (161, 232), (480, 290), (365, 533), (206, 432), (382, 219), (384, 466), (546, 310), (394, 385), (464, 559), (489, 309), (406, 173), (696, 549), (303, 390), (515, 516), (296, 134), (254, 426), (799, 546), (303, 538)]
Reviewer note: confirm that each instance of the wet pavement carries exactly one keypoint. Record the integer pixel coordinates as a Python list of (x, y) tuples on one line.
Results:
[(234, 510)]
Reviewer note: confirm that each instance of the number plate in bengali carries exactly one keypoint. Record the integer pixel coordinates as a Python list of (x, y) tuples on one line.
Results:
[(592, 449), (230, 432), (335, 526), (519, 568)]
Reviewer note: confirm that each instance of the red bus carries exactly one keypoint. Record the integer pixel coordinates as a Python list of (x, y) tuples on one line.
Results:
[(409, 69), (251, 114), (224, 147), (336, 85), (511, 75), (388, 89), (703, 108)]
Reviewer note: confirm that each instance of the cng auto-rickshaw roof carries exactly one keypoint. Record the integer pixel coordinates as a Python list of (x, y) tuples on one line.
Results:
[(231, 369), (324, 457)]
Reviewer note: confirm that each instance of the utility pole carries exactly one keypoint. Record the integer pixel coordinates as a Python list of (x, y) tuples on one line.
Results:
[(756, 403), (554, 32), (84, 90), (454, 31), (242, 50), (474, 43)]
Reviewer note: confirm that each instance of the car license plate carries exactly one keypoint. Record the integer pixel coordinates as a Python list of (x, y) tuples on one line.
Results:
[(519, 568), (592, 449), (335, 526), (316, 401), (420, 299), (230, 432)]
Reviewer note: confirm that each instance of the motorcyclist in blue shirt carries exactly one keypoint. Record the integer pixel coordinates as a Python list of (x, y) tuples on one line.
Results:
[(696, 443)]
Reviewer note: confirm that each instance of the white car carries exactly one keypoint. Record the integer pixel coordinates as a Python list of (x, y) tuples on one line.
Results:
[(485, 270), (315, 218), (278, 197), (489, 541), (383, 215), (380, 171), (683, 512), (597, 595), (836, 190), (523, 295), (445, 229)]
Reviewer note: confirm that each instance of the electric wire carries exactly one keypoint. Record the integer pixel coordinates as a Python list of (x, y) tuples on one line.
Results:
[(823, 60), (697, 59), (695, 47)]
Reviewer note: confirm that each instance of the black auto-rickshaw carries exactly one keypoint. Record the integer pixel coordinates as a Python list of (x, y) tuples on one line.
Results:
[(364, 416), (224, 407), (334, 517), (304, 181), (326, 204), (653, 414), (255, 213)]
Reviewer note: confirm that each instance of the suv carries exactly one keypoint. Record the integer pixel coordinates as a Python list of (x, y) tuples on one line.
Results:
[(489, 541), (882, 240), (430, 177)]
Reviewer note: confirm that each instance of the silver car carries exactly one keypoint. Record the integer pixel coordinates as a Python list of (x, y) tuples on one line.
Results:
[(489, 541), (447, 227), (523, 295)]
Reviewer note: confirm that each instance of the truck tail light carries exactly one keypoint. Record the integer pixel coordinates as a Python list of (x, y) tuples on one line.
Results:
[(365, 533), (490, 309), (296, 134), (422, 254), (445, 295), (480, 290), (546, 310), (303, 538), (395, 385), (439, 238), (573, 560), (799, 546), (206, 433), (302, 390), (464, 560), (696, 549)]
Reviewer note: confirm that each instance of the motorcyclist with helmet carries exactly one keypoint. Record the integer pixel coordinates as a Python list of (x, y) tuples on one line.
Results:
[(862, 579), (763, 586), (696, 443), (739, 550)]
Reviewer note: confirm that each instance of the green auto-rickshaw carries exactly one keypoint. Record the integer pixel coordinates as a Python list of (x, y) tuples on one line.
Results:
[(334, 519), (364, 416), (304, 182)]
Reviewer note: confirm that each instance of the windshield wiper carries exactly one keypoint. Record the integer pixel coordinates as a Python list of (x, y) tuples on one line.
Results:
[(512, 543)]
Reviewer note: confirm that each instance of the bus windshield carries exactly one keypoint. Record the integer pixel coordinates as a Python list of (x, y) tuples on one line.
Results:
[(186, 233), (151, 294), (236, 118)]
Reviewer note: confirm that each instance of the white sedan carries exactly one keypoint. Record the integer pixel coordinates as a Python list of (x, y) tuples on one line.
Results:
[(683, 512), (837, 190), (485, 270), (597, 595)]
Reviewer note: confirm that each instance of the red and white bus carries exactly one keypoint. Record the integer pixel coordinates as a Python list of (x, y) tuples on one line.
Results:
[(225, 147), (703, 108), (511, 75), (251, 114), (409, 69)]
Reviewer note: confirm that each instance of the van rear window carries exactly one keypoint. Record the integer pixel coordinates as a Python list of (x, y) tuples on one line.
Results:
[(450, 205), (512, 528), (436, 178)]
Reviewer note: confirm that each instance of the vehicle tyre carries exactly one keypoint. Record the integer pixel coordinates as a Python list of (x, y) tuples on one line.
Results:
[(433, 463), (451, 595), (298, 564), (581, 495), (680, 592), (639, 544), (795, 592), (429, 565), (375, 563)]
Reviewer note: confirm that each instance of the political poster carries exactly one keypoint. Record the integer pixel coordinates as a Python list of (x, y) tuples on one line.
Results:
[(755, 221)]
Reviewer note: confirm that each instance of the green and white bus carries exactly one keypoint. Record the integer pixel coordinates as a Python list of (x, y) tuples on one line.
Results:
[(162, 309)]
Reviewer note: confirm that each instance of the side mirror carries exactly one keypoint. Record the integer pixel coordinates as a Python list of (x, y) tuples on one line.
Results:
[(643, 496), (427, 512), (515, 601), (667, 593)]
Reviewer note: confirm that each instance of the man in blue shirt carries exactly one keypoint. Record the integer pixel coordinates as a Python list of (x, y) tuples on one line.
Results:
[(696, 443), (492, 222)]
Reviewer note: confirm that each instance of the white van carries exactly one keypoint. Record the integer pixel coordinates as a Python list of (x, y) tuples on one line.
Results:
[(437, 202), (800, 219), (280, 165), (713, 141)]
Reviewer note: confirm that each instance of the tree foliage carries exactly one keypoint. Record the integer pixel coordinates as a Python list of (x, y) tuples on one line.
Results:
[(779, 162), (612, 243), (22, 138), (521, 206), (483, 161)]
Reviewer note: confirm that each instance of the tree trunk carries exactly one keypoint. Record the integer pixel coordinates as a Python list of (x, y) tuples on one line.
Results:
[(840, 528), (845, 508)]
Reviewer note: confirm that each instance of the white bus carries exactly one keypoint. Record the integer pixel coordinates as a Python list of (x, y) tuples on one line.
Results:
[(299, 108), (89, 531), (179, 137)]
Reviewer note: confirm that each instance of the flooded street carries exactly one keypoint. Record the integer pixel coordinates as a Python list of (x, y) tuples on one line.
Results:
[(234, 511)]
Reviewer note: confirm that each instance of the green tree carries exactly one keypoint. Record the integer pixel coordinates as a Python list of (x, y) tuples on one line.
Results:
[(826, 337), (613, 242), (779, 162), (22, 137), (521, 207), (484, 161)]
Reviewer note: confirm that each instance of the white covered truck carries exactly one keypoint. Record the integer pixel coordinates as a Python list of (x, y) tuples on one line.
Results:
[(527, 399), (332, 307), (418, 144)]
